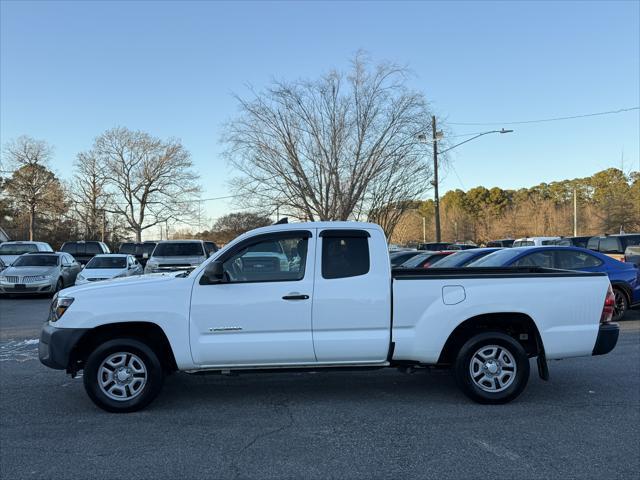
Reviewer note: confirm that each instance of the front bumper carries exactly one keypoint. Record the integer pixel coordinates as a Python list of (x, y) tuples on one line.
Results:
[(34, 287), (56, 345), (607, 338)]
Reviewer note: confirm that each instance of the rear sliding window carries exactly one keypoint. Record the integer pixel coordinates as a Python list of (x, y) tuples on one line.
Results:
[(345, 253)]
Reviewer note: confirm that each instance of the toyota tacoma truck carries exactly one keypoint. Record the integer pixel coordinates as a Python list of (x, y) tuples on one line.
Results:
[(334, 303)]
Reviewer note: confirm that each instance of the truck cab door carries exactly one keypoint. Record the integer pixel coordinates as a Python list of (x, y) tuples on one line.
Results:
[(260, 313), (352, 297)]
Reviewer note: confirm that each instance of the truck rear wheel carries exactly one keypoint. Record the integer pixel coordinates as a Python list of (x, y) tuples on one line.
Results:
[(123, 375), (492, 368)]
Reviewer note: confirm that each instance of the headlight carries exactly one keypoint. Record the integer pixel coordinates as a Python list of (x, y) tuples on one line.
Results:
[(40, 278), (59, 305)]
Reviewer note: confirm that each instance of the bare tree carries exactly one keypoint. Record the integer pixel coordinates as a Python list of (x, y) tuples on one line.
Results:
[(228, 227), (332, 149), (89, 194), (32, 186), (150, 181)]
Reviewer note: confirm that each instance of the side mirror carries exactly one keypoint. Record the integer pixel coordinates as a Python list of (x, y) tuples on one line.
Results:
[(214, 272)]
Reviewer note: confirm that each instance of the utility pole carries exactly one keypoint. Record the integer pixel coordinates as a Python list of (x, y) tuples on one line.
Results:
[(575, 212), (424, 230), (104, 224), (436, 198)]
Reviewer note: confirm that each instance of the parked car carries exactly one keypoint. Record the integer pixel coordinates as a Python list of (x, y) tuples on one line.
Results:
[(434, 246), (230, 316), (572, 241), (141, 250), (624, 277), (83, 251), (463, 258), (425, 259), (39, 272), (108, 266), (502, 243), (174, 255), (9, 251), (534, 241), (399, 257), (614, 245)]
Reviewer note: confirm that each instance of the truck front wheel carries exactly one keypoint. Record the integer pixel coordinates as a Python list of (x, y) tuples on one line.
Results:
[(123, 375), (492, 368)]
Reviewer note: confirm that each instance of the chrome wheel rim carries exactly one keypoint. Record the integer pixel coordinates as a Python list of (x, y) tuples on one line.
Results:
[(122, 376), (492, 368)]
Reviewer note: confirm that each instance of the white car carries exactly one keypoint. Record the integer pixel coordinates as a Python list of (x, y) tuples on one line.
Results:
[(9, 251), (534, 241), (337, 304), (109, 266)]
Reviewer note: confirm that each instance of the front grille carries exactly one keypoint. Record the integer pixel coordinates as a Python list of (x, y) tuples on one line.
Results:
[(31, 279), (12, 279)]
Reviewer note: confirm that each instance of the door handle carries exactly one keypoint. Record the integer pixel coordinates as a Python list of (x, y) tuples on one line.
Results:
[(296, 297)]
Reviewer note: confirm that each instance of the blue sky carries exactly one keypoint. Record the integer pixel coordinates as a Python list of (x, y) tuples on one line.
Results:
[(70, 70)]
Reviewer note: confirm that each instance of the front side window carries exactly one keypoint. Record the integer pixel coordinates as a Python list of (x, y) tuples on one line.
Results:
[(268, 260), (345, 256)]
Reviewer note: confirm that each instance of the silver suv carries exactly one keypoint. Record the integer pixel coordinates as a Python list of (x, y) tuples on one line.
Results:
[(10, 251), (176, 255)]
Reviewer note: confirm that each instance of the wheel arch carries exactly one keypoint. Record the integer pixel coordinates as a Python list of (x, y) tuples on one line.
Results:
[(149, 333), (624, 287), (518, 325)]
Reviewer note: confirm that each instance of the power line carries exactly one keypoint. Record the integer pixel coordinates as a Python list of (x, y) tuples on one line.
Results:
[(553, 119)]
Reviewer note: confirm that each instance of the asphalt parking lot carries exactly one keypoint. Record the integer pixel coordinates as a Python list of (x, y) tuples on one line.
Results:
[(583, 423)]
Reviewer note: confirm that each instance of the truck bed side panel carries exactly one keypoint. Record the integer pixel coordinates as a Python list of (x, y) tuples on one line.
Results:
[(565, 309)]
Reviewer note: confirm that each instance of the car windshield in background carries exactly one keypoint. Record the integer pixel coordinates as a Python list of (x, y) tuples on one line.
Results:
[(417, 260), (107, 262), (456, 259), (36, 261), (129, 248), (17, 249), (496, 259), (148, 248), (186, 249)]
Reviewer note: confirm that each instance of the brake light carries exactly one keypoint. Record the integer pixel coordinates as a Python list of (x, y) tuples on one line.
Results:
[(609, 305)]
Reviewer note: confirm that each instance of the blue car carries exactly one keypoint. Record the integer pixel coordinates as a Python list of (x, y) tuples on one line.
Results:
[(463, 258), (624, 277)]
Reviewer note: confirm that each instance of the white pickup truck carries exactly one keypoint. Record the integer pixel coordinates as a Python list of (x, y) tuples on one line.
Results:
[(335, 304)]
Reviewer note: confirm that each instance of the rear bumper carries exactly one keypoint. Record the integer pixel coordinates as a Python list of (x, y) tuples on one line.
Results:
[(607, 338), (56, 345)]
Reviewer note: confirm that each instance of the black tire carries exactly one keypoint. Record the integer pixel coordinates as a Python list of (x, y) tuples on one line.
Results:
[(621, 305), (135, 348), (467, 360), (59, 285)]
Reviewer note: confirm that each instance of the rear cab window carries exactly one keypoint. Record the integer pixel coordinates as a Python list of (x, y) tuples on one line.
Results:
[(345, 253)]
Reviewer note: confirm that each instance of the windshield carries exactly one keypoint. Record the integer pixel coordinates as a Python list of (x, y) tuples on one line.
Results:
[(17, 248), (107, 262), (36, 261), (186, 249), (417, 260), (496, 259), (128, 248), (458, 259)]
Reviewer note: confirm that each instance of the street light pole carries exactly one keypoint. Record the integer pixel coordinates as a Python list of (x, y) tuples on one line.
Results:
[(436, 197), (435, 136)]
